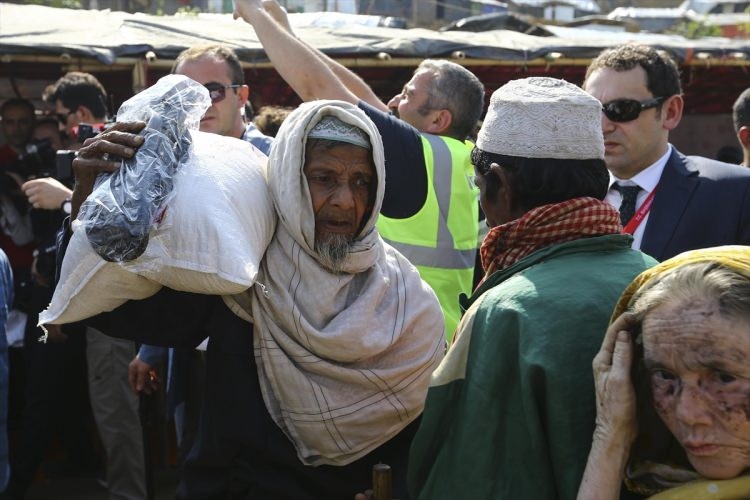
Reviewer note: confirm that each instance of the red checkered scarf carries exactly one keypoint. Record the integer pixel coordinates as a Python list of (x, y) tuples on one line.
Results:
[(547, 225)]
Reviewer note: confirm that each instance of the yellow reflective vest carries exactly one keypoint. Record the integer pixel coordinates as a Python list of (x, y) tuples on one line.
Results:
[(441, 239)]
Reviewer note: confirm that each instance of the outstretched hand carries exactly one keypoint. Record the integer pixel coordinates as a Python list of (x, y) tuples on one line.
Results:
[(103, 153), (278, 13), (246, 9), (615, 394)]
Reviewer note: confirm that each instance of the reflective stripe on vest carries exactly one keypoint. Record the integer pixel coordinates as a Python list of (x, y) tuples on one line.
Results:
[(444, 255), (425, 238), (432, 257), (441, 238)]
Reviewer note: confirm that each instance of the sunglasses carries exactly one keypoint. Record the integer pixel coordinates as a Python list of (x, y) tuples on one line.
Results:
[(217, 92), (626, 110)]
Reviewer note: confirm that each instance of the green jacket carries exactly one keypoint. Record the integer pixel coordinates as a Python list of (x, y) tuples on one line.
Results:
[(510, 410)]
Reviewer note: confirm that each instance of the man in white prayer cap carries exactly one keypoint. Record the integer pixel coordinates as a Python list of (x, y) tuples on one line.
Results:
[(510, 410)]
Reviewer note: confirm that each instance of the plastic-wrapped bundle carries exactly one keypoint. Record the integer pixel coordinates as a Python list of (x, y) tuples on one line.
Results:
[(122, 209), (210, 240)]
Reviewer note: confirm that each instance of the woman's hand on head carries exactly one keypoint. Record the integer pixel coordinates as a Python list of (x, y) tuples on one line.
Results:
[(615, 395), (616, 424)]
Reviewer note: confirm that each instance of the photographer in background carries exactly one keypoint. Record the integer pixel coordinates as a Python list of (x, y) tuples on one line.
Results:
[(55, 397), (48, 192), (16, 235), (80, 106), (79, 99)]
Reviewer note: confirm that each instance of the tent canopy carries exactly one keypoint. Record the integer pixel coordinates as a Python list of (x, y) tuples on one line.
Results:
[(130, 51)]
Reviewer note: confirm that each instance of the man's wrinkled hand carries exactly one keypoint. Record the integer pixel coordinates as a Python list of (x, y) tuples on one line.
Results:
[(120, 141), (103, 153), (46, 193)]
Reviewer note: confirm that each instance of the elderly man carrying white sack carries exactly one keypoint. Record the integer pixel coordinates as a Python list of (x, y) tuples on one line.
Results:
[(331, 374)]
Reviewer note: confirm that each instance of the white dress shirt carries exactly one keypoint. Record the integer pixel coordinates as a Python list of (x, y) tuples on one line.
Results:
[(647, 180)]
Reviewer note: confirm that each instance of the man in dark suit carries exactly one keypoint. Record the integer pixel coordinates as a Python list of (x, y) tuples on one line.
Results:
[(669, 202)]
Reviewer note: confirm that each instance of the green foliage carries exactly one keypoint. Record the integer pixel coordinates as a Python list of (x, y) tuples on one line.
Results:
[(696, 29)]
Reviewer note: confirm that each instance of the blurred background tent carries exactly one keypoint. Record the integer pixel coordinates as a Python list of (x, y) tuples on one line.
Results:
[(128, 52)]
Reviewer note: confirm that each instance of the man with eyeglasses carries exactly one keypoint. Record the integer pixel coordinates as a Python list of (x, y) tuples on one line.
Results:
[(219, 70), (669, 202), (79, 99)]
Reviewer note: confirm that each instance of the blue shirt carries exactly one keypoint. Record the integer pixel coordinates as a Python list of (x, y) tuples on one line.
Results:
[(257, 139)]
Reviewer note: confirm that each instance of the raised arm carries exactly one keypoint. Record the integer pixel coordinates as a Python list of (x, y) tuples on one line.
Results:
[(311, 74)]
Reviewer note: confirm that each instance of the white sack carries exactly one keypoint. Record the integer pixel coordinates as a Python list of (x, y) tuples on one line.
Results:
[(214, 233)]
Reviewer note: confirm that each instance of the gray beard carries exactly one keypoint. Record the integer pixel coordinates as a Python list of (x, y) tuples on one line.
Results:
[(333, 251)]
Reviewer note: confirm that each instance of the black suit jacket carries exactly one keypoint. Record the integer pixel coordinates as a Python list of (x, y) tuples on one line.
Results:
[(698, 203)]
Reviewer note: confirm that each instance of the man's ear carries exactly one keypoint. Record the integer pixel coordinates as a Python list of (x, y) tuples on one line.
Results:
[(243, 94), (504, 196), (441, 121), (504, 192), (672, 112), (743, 135), (85, 115)]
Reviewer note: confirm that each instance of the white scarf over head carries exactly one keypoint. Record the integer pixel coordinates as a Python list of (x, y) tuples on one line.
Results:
[(344, 359)]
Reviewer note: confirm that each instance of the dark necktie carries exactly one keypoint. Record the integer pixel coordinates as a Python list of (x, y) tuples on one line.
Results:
[(629, 197)]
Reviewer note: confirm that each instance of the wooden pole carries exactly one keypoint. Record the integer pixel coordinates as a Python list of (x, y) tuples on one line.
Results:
[(381, 482)]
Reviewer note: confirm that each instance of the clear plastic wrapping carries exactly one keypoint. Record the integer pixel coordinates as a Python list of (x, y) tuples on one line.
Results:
[(125, 205)]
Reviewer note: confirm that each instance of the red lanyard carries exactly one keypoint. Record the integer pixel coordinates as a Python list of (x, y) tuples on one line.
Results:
[(631, 226)]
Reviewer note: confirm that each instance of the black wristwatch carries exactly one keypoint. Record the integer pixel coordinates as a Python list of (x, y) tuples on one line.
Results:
[(66, 206)]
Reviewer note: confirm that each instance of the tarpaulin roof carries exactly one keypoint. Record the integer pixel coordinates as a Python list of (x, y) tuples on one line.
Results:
[(128, 52), (106, 36)]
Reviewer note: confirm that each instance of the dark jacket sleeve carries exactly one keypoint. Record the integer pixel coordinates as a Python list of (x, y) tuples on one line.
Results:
[(405, 170), (169, 318)]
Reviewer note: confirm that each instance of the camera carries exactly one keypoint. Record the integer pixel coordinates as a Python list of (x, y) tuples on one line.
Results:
[(64, 166), (41, 160), (37, 159), (64, 158), (87, 131)]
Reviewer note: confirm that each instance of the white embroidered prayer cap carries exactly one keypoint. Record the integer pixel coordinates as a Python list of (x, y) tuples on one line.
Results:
[(543, 117), (334, 129)]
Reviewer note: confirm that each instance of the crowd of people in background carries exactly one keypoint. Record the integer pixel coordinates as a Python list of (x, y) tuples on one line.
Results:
[(432, 298)]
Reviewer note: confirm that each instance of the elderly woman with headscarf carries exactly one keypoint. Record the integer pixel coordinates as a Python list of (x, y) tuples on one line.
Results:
[(322, 370), (676, 424)]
